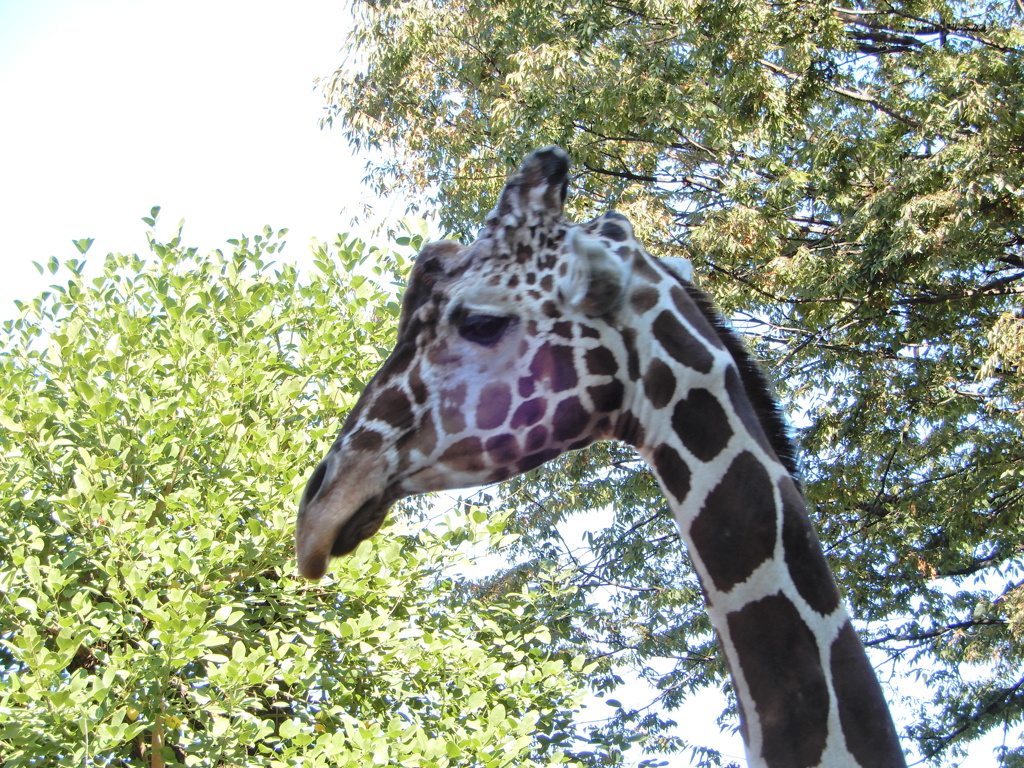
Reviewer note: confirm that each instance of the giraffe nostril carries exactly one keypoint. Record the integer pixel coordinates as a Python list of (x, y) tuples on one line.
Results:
[(315, 481)]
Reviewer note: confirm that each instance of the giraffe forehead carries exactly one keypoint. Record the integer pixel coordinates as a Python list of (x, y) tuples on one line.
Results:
[(515, 270), (500, 285), (485, 291), (531, 259)]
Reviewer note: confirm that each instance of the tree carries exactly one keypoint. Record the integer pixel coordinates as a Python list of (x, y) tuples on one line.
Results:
[(848, 183), (157, 424)]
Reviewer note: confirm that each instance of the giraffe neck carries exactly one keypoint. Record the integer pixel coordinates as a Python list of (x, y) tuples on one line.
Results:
[(807, 694)]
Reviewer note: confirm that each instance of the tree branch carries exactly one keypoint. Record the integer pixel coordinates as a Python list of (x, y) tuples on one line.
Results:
[(1001, 699), (939, 632), (990, 288), (862, 96)]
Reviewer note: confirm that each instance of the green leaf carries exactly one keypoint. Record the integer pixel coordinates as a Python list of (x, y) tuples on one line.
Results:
[(497, 715), (84, 244), (27, 603)]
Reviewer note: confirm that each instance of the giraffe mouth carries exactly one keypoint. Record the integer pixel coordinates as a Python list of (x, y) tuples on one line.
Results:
[(364, 522)]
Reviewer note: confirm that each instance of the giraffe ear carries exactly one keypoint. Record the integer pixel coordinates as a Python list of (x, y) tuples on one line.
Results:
[(596, 279), (538, 187), (678, 266)]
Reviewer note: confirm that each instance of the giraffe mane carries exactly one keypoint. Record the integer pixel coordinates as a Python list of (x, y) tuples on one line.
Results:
[(755, 382)]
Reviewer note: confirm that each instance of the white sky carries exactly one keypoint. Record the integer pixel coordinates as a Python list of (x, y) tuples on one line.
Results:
[(207, 109)]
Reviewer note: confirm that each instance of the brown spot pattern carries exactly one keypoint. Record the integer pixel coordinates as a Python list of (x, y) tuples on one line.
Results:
[(426, 435), (629, 430), (863, 714), (398, 360), (529, 413), (659, 383), (569, 420), (600, 362), (417, 387), (680, 344), (642, 269), (672, 471), (779, 660), (554, 362), (365, 440), (563, 329), (502, 449), (735, 530), (392, 406), (438, 354), (466, 455), (804, 558), (548, 261), (493, 406), (427, 270), (607, 397), (536, 438), (612, 231), (701, 424), (643, 298)]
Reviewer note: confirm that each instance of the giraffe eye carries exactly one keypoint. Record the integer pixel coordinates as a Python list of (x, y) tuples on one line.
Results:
[(485, 330)]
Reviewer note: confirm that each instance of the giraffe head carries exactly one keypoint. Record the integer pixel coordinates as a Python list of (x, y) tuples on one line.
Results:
[(508, 354)]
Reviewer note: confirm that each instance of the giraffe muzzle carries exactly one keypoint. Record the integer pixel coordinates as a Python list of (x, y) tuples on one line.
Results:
[(342, 506)]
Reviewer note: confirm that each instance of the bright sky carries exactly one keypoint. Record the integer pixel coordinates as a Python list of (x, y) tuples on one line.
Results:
[(207, 109)]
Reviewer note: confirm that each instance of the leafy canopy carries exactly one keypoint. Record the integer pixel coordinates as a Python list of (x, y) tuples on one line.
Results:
[(157, 423)]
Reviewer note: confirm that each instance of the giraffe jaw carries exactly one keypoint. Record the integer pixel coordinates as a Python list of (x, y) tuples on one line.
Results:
[(364, 522)]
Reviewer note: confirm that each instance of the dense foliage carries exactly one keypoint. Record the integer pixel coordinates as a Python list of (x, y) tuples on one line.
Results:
[(848, 182), (157, 423)]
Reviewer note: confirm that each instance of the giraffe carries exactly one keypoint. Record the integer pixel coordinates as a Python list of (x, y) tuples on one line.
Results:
[(543, 336)]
